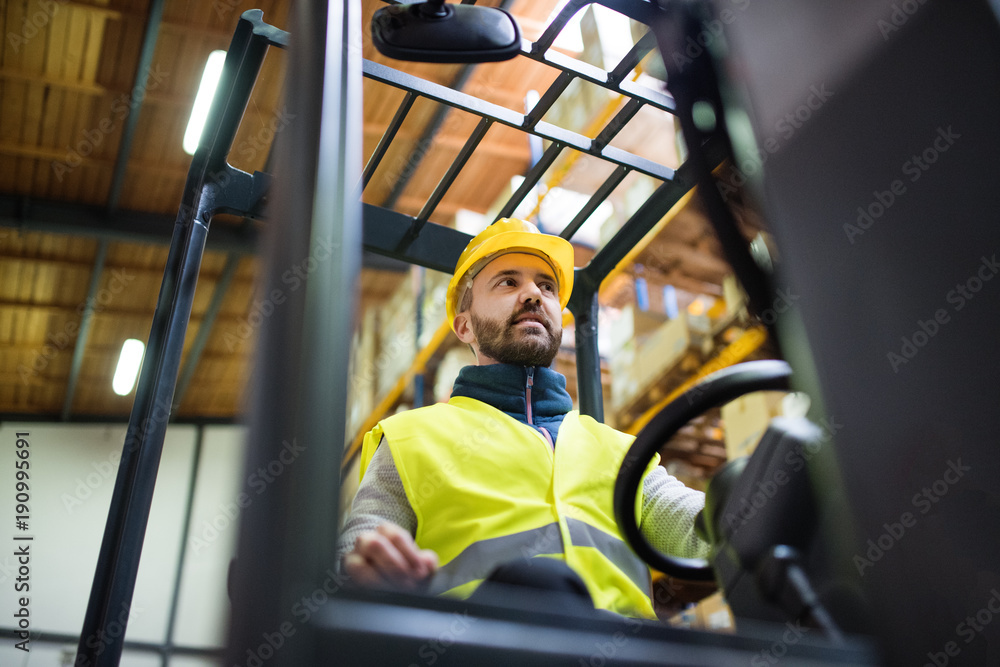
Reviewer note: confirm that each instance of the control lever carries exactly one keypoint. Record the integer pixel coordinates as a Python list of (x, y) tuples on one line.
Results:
[(784, 582)]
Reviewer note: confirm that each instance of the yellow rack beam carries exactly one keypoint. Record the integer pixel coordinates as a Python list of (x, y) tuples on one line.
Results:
[(650, 235), (390, 399), (748, 342)]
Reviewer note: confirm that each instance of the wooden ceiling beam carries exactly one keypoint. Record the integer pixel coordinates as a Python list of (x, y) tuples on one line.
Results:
[(141, 82), (174, 26), (89, 88), (86, 322), (60, 155), (42, 153), (16, 379), (48, 417), (104, 311), (97, 349), (88, 264), (50, 217), (100, 10)]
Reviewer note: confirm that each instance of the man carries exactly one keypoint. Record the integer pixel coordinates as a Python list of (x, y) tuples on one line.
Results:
[(506, 470)]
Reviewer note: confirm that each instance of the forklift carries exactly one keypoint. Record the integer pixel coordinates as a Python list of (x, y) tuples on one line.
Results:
[(878, 552)]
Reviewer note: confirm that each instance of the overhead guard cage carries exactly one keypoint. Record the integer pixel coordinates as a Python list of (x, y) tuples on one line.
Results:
[(290, 605)]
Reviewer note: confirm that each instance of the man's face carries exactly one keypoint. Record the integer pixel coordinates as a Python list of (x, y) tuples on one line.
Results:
[(515, 316)]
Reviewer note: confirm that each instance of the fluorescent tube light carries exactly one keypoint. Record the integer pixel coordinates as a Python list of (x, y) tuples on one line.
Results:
[(202, 102), (128, 366)]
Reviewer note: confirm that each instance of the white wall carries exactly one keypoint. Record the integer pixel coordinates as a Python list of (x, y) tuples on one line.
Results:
[(203, 608), (73, 469)]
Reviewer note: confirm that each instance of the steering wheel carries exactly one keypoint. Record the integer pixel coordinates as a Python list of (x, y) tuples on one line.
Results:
[(715, 390)]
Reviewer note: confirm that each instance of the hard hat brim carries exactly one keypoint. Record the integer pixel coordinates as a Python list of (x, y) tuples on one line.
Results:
[(555, 250)]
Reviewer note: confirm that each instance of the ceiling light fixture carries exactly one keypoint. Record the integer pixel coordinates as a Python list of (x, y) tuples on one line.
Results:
[(128, 366), (202, 102)]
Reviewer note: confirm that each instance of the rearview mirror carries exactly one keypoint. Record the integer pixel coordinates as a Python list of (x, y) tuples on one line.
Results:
[(440, 32)]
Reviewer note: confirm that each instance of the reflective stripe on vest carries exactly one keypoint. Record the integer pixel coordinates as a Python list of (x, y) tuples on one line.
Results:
[(486, 489), (474, 561), (478, 559), (614, 549)]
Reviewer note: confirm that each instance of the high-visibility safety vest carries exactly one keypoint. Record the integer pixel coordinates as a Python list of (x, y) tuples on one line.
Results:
[(486, 489)]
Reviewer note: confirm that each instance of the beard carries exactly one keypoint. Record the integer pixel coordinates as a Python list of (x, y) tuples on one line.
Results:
[(501, 340)]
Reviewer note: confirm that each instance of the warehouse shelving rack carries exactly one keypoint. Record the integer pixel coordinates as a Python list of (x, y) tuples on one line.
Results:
[(288, 535)]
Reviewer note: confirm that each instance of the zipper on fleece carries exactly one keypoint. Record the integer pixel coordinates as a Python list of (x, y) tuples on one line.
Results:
[(527, 401)]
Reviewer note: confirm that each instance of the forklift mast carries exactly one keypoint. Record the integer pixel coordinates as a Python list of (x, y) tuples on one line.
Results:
[(864, 132)]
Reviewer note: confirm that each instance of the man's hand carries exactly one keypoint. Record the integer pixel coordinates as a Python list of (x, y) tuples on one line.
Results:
[(387, 557)]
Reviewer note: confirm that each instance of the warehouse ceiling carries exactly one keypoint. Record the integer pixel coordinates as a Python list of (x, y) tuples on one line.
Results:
[(94, 101)]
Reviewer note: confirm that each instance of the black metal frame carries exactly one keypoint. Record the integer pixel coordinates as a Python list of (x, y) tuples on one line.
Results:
[(86, 320), (288, 535), (412, 248), (51, 217), (153, 23), (287, 538), (213, 186)]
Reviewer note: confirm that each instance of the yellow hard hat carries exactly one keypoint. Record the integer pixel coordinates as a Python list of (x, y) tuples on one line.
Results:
[(504, 236)]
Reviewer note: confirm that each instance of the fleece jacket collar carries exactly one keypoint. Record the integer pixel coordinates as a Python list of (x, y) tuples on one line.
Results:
[(503, 386)]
